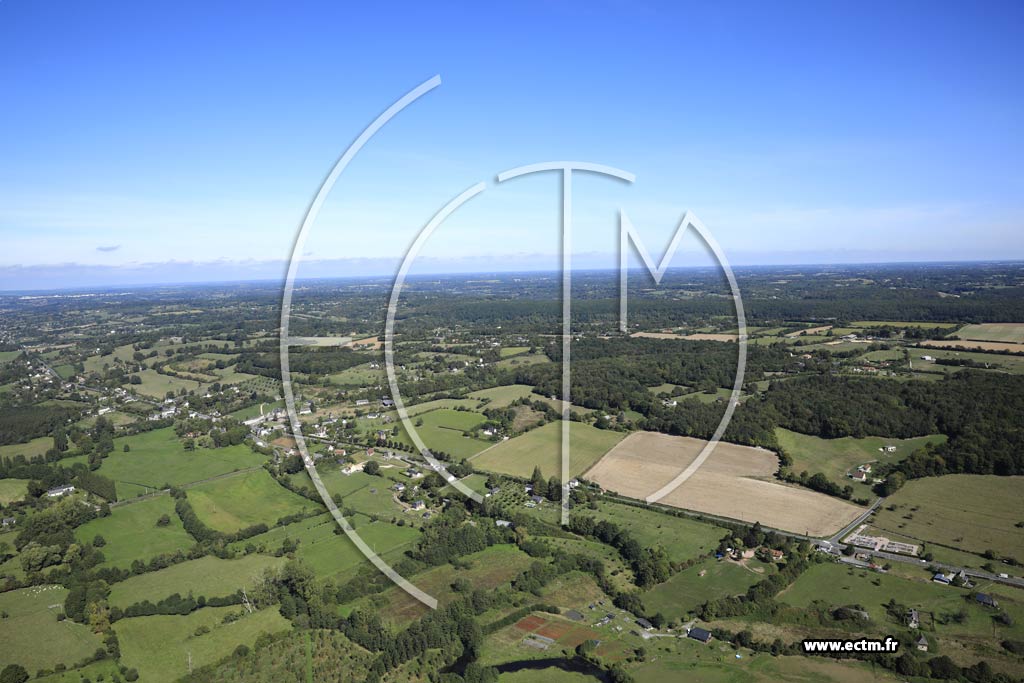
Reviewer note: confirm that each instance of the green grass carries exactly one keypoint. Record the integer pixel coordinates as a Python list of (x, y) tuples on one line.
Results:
[(513, 351), (156, 385), (681, 538), (32, 636), (361, 375), (159, 646), (972, 512), (889, 323), (996, 362), (542, 447), (237, 502), (688, 660), (838, 584), (158, 457), (997, 332), (8, 356), (131, 532), (504, 395), (29, 449), (209, 576), (330, 554), (687, 590), (105, 667), (835, 457), (12, 490), (520, 361), (342, 484), (486, 570), (426, 407), (254, 410), (442, 431)]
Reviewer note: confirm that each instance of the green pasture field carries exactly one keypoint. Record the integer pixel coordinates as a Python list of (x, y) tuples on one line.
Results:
[(838, 584), (65, 371), (686, 660), (330, 554), (32, 636), (237, 502), (376, 499), (442, 431), (542, 447), (12, 490), (997, 332), (105, 668), (519, 361), (504, 395), (687, 590), (904, 323), (361, 375), (437, 403), (338, 483), (156, 385), (895, 353), (973, 512), (254, 410), (513, 351), (835, 457), (208, 575), (997, 362), (682, 538), (667, 388), (29, 449), (8, 356), (160, 646), (158, 457), (125, 352), (720, 393), (131, 532), (487, 570)]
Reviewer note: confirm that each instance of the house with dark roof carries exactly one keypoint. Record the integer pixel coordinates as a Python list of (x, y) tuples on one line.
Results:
[(986, 600), (922, 644), (644, 624), (699, 634)]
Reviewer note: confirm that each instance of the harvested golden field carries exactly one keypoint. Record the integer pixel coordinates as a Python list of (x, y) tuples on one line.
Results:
[(709, 336), (972, 344), (736, 482)]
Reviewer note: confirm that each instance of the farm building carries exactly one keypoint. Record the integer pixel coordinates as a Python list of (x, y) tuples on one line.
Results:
[(922, 644), (504, 523), (913, 619), (986, 600), (644, 624), (942, 578), (699, 634), (58, 491)]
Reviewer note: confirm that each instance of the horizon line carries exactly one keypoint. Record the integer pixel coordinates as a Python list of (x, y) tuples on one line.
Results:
[(99, 288)]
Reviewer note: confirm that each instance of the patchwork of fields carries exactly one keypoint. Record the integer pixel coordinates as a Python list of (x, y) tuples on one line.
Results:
[(541, 447), (157, 458), (736, 482), (973, 512)]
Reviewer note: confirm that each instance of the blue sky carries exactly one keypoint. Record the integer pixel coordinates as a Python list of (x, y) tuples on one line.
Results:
[(146, 142)]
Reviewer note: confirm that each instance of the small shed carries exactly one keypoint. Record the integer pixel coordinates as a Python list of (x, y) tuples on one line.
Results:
[(700, 634)]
